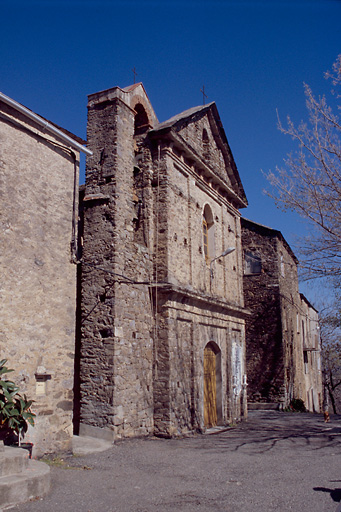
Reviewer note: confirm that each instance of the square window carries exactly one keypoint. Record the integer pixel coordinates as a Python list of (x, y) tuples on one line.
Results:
[(253, 263)]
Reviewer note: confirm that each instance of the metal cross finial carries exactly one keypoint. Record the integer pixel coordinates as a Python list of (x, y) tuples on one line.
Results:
[(135, 74), (204, 95)]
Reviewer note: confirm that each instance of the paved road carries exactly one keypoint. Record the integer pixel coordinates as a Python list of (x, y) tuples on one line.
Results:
[(273, 462)]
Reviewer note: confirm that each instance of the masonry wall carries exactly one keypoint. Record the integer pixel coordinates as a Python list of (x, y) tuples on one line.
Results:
[(264, 349), (116, 357), (189, 316), (309, 330), (199, 136), (274, 350), (37, 277), (290, 313), (149, 304), (185, 238), (190, 328)]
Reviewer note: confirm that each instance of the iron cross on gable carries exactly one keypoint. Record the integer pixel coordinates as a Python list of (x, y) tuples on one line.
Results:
[(135, 74), (204, 95)]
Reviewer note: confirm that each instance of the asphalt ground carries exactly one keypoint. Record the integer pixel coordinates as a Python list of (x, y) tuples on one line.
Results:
[(272, 462)]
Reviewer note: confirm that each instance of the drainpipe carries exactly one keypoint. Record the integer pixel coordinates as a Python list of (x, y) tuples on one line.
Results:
[(74, 241)]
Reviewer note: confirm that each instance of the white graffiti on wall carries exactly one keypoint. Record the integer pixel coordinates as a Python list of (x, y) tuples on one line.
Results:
[(237, 367)]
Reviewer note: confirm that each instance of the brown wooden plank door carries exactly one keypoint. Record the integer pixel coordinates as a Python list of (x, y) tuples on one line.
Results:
[(210, 388)]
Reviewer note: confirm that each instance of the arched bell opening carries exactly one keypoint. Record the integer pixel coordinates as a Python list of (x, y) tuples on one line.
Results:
[(141, 123)]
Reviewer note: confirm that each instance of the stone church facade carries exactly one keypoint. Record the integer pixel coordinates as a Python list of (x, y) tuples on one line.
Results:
[(162, 347)]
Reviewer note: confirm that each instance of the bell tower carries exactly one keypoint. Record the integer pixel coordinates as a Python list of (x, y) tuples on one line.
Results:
[(116, 352)]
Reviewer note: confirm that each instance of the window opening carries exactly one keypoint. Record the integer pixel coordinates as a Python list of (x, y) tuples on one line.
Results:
[(208, 234), (253, 263), (205, 144), (205, 236), (305, 358), (282, 266)]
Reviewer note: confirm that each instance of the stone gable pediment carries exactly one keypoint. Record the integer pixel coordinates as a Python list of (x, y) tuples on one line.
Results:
[(200, 129)]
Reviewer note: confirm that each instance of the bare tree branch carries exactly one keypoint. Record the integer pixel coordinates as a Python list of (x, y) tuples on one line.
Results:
[(310, 182)]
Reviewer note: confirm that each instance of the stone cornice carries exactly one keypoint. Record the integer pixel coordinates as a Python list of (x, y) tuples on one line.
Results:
[(201, 183), (170, 137), (202, 300)]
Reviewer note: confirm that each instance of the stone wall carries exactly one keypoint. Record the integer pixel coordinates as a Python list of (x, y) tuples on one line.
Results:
[(149, 303), (189, 304), (116, 350), (264, 350), (190, 327), (311, 345), (290, 311), (191, 318), (37, 278), (274, 347), (188, 198), (198, 135)]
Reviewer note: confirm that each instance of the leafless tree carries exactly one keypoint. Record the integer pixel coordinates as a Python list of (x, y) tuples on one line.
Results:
[(310, 182), (331, 355)]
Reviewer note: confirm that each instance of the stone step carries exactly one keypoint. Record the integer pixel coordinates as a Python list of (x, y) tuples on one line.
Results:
[(21, 478), (32, 482), (83, 445), (13, 461), (263, 406)]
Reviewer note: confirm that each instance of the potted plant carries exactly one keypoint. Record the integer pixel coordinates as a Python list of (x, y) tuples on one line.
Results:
[(15, 410)]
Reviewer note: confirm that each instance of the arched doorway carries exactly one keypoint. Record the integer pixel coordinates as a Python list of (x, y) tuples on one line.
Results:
[(212, 385)]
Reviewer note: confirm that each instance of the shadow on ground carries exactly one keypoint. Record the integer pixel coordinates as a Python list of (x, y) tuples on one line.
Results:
[(267, 429), (335, 494)]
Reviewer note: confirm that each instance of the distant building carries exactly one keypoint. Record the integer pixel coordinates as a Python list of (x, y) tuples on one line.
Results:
[(282, 342), (310, 334)]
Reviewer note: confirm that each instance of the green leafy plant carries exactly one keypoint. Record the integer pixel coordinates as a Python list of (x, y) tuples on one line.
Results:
[(15, 409)]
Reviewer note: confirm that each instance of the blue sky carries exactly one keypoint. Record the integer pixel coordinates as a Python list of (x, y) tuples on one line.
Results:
[(252, 57)]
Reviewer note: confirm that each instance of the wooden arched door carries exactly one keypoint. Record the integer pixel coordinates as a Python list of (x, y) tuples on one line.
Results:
[(210, 387)]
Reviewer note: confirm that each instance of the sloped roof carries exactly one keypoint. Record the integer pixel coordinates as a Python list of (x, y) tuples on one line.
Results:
[(39, 118), (269, 232), (309, 304), (183, 115)]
